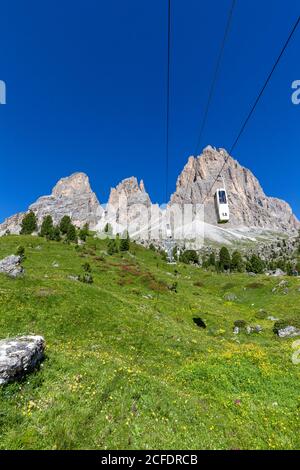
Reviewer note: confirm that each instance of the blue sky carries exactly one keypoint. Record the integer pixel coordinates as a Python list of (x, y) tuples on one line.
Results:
[(86, 91)]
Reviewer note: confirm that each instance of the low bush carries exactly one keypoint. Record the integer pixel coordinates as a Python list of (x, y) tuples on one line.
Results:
[(240, 323), (261, 314), (199, 284), (21, 252), (255, 285), (86, 278)]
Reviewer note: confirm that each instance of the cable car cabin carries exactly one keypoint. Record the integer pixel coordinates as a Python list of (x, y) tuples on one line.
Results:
[(222, 208), (168, 232)]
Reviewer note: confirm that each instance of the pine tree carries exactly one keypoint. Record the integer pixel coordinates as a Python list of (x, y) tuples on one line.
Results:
[(205, 262), (108, 229), (71, 234), (55, 234), (29, 224), (289, 268), (83, 233), (47, 227), (237, 262), (256, 264), (281, 264), (224, 259), (125, 243), (212, 259), (189, 256), (65, 224), (112, 247)]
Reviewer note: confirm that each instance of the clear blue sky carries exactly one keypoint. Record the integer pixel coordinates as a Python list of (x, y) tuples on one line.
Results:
[(86, 91)]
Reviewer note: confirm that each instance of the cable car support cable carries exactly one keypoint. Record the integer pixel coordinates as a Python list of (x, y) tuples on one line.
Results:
[(253, 108)]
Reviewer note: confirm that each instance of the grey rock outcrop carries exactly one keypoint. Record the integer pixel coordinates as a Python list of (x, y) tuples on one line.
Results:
[(19, 356), (12, 224), (248, 204), (11, 266), (288, 332)]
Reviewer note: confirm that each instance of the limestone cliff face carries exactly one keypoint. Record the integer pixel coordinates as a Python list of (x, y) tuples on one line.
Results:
[(248, 204), (71, 196), (12, 224)]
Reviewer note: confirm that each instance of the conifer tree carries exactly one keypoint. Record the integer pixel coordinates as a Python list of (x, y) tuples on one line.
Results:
[(29, 224), (112, 247), (55, 234), (71, 234), (255, 264), (83, 233), (224, 259), (125, 243), (47, 227), (64, 224), (237, 262)]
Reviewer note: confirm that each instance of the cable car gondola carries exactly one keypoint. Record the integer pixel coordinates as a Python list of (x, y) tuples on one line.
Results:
[(222, 208)]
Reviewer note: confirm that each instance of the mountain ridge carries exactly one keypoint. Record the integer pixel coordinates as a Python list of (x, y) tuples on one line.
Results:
[(250, 207)]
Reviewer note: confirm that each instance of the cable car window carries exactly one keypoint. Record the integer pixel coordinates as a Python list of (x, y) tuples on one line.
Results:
[(222, 197)]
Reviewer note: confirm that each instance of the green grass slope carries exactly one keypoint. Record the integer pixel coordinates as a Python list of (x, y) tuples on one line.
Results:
[(126, 366)]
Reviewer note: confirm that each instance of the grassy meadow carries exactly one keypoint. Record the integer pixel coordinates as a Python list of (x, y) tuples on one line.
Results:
[(126, 367)]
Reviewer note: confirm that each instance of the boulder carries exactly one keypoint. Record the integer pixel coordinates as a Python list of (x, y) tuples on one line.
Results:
[(283, 283), (271, 318), (253, 329), (288, 332), (278, 273), (11, 266), (19, 355), (230, 297)]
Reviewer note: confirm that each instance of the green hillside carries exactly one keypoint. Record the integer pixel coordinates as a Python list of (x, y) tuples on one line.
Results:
[(126, 365)]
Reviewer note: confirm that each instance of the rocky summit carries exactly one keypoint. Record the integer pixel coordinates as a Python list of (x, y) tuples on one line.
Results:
[(128, 200), (251, 210), (249, 206), (70, 196)]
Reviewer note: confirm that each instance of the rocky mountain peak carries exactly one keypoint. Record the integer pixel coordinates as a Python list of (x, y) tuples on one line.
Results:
[(142, 186), (248, 204), (77, 183), (70, 196), (130, 188)]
